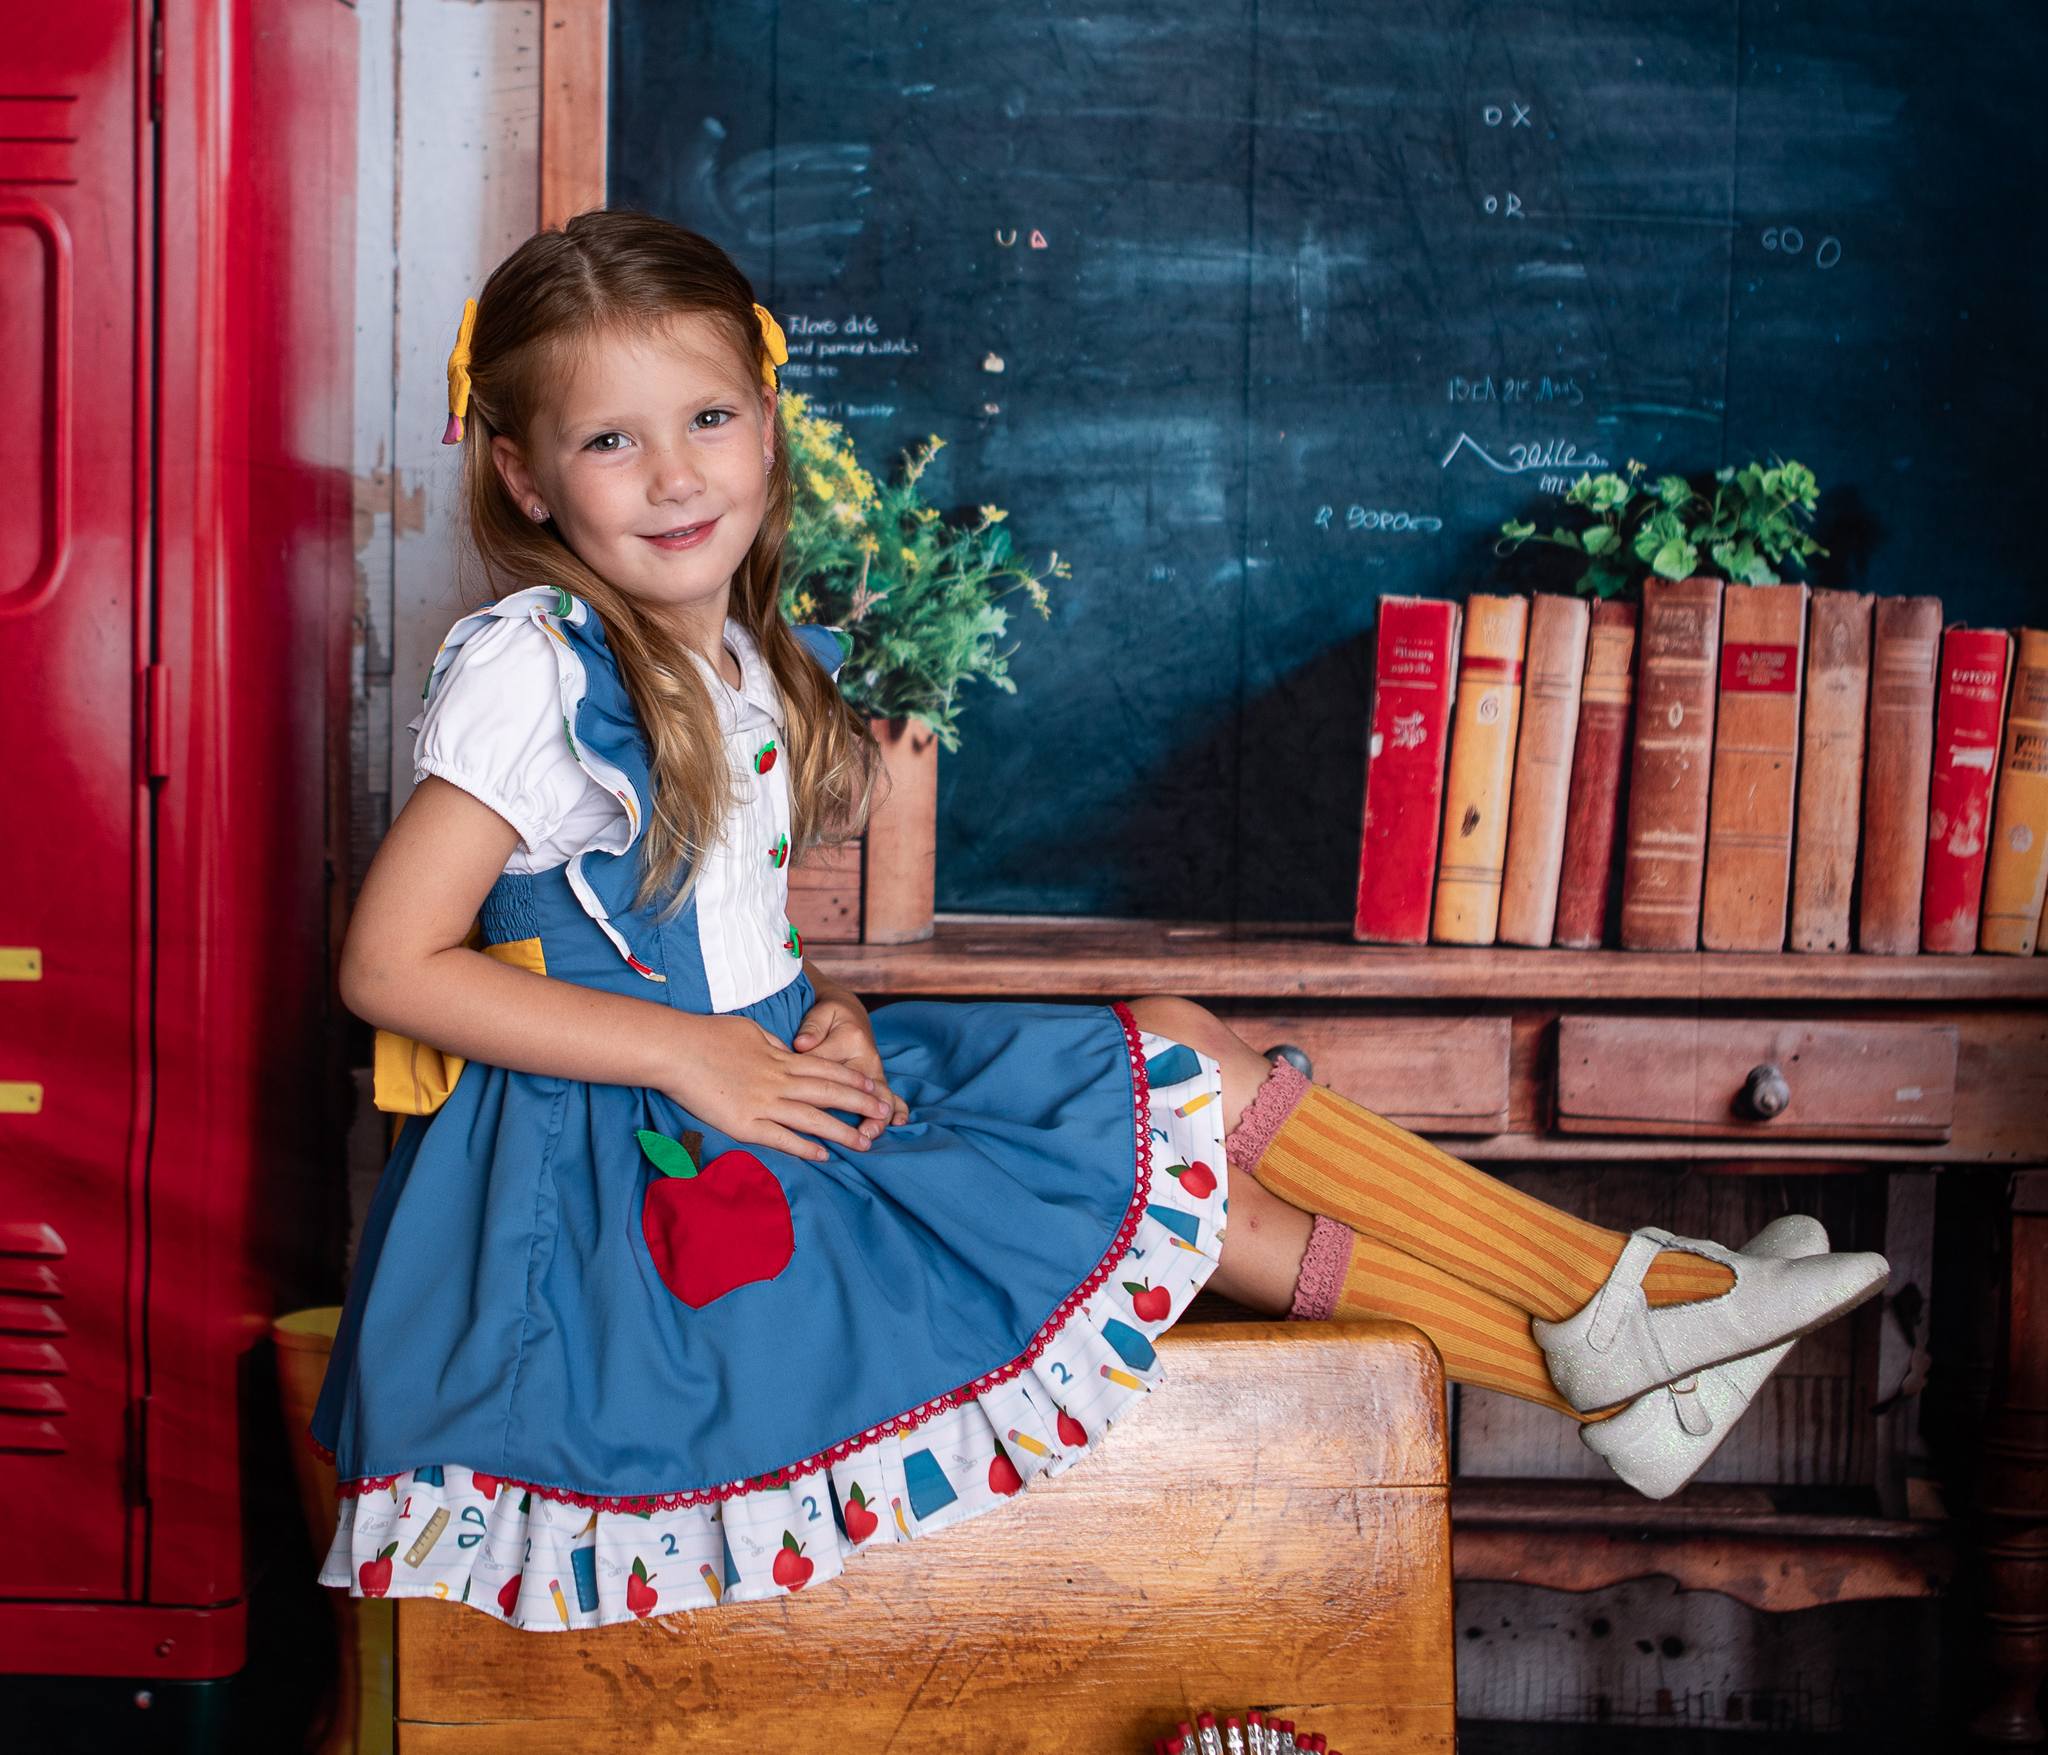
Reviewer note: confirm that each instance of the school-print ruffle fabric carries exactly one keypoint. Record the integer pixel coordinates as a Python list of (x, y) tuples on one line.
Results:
[(546, 1564)]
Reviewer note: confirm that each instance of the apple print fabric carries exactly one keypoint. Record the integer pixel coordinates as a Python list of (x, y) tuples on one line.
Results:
[(546, 1565)]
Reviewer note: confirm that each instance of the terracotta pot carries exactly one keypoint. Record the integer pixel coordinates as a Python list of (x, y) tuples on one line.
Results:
[(878, 888), (900, 863)]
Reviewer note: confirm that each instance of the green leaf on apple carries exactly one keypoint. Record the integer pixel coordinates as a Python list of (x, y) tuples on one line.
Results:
[(670, 1157)]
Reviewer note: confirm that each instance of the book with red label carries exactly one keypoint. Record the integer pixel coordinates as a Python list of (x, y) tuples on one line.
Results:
[(1665, 855), (1756, 765), (1905, 651), (1415, 670), (1969, 723), (1606, 706)]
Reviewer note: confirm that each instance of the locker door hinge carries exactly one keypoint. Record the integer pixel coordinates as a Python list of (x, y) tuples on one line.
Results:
[(156, 66), (156, 721)]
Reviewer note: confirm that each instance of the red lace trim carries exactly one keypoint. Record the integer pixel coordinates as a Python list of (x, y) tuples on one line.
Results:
[(1141, 1096)]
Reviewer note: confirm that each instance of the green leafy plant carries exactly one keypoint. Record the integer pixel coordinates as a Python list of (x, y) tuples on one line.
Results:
[(1754, 524), (917, 597)]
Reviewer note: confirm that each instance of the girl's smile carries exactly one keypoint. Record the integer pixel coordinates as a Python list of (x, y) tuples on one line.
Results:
[(688, 536)]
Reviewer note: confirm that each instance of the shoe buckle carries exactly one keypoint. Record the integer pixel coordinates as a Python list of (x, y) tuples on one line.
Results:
[(1691, 1406)]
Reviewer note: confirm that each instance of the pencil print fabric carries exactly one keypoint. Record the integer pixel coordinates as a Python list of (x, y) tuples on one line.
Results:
[(546, 1565)]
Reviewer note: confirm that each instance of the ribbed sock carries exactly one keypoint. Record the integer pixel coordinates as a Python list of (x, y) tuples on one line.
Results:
[(1329, 1155), (1484, 1340)]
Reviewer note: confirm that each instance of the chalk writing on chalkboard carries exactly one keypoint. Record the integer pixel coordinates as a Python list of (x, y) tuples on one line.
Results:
[(1537, 454), (1365, 518)]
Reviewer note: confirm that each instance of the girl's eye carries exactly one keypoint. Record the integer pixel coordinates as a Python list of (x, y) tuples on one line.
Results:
[(597, 444), (724, 415)]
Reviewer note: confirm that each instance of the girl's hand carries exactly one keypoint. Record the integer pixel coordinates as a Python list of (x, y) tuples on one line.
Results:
[(837, 1028), (746, 1084)]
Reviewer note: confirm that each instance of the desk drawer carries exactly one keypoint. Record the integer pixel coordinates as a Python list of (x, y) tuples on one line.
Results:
[(1732, 1078), (1431, 1075)]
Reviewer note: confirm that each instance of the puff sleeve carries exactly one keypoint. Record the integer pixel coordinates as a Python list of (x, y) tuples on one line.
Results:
[(494, 726)]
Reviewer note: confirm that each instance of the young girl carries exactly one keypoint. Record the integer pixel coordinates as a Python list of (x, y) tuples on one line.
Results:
[(689, 1277)]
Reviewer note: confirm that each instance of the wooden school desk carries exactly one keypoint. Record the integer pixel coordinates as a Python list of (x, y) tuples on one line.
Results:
[(1270, 1526)]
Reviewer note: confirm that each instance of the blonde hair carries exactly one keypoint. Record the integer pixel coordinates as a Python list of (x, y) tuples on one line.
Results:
[(618, 269)]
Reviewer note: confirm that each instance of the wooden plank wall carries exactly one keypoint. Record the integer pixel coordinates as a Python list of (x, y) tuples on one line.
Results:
[(453, 170)]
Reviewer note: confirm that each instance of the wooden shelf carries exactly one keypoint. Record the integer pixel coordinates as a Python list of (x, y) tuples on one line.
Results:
[(1084, 955), (1754, 1543)]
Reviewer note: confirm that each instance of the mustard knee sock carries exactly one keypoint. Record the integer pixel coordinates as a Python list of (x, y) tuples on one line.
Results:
[(1328, 1155)]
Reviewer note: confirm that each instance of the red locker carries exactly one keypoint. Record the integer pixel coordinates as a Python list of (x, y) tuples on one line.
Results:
[(176, 325)]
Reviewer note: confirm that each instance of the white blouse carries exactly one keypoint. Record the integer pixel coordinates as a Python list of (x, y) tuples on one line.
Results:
[(494, 728)]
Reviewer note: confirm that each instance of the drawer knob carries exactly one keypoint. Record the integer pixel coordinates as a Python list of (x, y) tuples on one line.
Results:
[(1294, 1057), (1766, 1094)]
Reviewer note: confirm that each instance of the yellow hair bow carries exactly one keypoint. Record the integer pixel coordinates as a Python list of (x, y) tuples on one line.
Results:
[(778, 349), (458, 377)]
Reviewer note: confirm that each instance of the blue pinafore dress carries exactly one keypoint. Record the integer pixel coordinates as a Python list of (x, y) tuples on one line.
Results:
[(600, 1361)]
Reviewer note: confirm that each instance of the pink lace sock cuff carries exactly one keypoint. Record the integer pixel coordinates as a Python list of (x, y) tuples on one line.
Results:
[(1323, 1265), (1245, 1144)]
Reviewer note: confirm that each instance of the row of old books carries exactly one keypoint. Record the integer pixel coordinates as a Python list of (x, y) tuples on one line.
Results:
[(1811, 769)]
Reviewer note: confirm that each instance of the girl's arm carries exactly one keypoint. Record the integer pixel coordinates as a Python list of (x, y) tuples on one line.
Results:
[(405, 968)]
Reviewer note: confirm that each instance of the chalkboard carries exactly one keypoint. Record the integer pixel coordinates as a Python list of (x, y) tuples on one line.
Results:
[(1294, 303)]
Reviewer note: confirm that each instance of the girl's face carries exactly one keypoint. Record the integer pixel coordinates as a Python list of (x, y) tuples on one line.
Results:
[(653, 463)]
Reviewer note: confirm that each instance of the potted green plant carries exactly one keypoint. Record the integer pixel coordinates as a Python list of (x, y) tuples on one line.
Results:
[(1754, 525), (916, 600)]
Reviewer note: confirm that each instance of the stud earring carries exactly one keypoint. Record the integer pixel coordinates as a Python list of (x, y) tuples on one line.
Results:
[(537, 512)]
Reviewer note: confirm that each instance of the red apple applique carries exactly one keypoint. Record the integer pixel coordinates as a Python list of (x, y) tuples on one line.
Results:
[(1149, 1302), (712, 1230), (1002, 1472), (641, 1596), (375, 1575), (1196, 1180), (861, 1522), (792, 1570), (1072, 1433), (764, 757)]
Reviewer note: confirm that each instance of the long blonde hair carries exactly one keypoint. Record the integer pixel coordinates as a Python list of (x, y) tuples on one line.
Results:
[(612, 269)]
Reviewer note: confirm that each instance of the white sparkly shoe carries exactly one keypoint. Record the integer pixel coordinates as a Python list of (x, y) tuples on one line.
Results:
[(1616, 1345), (1664, 1437)]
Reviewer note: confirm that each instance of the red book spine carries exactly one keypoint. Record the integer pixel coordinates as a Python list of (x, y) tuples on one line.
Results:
[(1414, 676), (1606, 705), (1969, 723)]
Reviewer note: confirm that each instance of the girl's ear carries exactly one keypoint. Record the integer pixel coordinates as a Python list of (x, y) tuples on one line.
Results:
[(510, 464)]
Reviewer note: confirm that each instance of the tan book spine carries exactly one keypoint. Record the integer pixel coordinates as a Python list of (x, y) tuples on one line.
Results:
[(1558, 629), (1756, 767), (2016, 879), (1905, 654), (1667, 807), (1830, 815), (1481, 776)]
